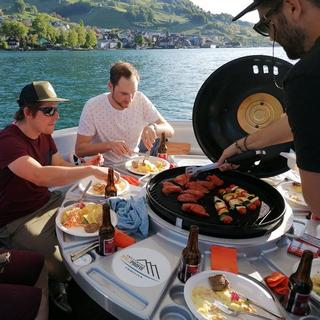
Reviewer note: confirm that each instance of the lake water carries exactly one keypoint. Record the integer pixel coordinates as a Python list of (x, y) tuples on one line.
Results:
[(170, 78)]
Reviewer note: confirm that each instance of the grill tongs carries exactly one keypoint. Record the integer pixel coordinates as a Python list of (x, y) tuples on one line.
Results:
[(245, 158)]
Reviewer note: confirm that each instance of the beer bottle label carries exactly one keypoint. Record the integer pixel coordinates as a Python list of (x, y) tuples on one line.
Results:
[(108, 246), (187, 271), (299, 305)]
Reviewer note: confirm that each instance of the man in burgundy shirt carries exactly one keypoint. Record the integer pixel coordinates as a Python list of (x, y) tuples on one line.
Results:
[(29, 164)]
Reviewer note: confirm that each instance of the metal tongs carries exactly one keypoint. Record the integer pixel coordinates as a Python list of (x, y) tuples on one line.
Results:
[(242, 158)]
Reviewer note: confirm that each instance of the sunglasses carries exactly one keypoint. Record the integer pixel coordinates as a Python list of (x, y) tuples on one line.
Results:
[(49, 111), (263, 26)]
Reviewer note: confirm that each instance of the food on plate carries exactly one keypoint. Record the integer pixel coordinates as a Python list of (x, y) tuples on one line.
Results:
[(207, 309), (296, 186), (91, 227), (202, 298), (219, 282), (316, 283), (222, 210), (195, 208), (169, 187), (82, 214), (98, 187), (146, 166)]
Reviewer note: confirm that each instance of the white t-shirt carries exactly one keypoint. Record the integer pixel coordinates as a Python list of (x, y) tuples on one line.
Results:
[(105, 123)]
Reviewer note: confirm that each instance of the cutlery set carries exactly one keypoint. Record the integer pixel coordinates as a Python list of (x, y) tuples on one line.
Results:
[(79, 253)]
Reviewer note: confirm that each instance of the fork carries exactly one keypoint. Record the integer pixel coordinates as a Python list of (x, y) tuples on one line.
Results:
[(232, 313), (78, 254), (69, 202), (243, 158)]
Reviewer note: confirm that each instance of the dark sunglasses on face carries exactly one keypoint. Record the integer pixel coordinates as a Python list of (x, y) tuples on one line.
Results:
[(263, 25), (49, 111)]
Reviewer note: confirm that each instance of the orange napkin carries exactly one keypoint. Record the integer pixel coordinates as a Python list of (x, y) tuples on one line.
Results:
[(122, 240), (223, 258), (278, 283)]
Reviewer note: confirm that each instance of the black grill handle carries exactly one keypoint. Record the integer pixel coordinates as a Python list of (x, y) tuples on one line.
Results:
[(247, 157)]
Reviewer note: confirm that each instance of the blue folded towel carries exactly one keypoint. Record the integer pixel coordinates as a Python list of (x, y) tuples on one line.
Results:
[(132, 215)]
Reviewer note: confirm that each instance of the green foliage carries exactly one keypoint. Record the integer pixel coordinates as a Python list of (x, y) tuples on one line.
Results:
[(14, 29), (72, 38), (20, 6), (139, 40), (40, 25), (91, 39), (3, 44)]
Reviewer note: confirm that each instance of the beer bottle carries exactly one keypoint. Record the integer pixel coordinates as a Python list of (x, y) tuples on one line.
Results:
[(163, 149), (300, 286), (110, 189), (106, 233), (191, 256)]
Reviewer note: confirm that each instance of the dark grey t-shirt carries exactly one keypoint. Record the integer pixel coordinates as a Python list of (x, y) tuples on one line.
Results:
[(302, 100)]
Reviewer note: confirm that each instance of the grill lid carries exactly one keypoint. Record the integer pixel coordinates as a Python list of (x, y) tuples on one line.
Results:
[(237, 99)]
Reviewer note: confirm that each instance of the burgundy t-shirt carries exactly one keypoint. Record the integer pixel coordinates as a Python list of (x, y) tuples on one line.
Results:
[(19, 197)]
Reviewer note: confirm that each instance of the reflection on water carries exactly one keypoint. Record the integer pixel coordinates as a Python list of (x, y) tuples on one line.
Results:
[(170, 78)]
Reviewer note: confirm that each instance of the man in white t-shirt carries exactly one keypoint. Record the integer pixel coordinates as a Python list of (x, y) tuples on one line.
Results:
[(113, 123)]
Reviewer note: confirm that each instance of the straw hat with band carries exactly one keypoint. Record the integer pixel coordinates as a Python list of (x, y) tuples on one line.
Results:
[(251, 7), (39, 91)]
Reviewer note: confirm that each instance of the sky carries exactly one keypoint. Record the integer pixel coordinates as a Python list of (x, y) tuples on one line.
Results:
[(232, 7)]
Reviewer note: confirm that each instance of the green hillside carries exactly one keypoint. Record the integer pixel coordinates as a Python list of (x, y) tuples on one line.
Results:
[(154, 15)]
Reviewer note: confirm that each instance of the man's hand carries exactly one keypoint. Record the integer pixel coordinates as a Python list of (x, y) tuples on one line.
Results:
[(119, 148), (96, 160), (149, 136), (102, 173), (227, 153)]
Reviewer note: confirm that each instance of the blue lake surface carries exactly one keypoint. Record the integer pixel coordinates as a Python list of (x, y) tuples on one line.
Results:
[(170, 78)]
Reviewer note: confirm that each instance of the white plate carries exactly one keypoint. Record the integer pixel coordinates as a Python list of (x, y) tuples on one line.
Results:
[(315, 270), (122, 186), (239, 283), (153, 160), (79, 231), (293, 197)]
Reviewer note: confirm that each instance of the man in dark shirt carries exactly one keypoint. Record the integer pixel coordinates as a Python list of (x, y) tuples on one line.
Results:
[(295, 25), (29, 164)]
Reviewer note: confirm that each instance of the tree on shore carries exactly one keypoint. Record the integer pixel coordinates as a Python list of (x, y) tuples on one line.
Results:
[(14, 29), (91, 39)]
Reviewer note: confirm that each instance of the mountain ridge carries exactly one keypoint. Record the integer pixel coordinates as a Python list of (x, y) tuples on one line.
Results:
[(175, 16)]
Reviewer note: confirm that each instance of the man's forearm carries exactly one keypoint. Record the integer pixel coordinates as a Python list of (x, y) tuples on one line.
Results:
[(310, 187), (166, 128), (49, 176), (276, 133)]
